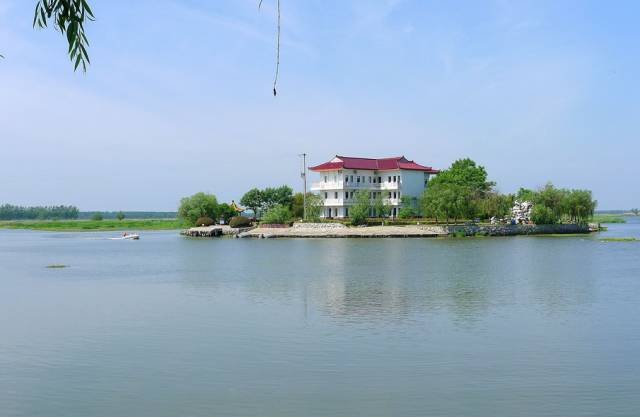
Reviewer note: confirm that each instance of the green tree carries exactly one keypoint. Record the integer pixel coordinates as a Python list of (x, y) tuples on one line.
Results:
[(494, 204), (463, 185), (253, 199), (120, 216), (525, 194), (449, 201), (579, 205), (297, 205), (11, 212), (431, 200), (278, 214), (198, 205), (282, 195), (465, 173), (226, 212), (359, 211), (315, 204), (542, 214), (97, 217), (409, 207), (552, 198), (380, 207)]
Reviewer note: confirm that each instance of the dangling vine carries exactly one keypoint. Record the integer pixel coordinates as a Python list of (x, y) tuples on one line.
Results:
[(275, 78)]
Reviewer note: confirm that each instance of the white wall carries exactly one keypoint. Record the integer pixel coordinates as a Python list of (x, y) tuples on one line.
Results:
[(412, 183)]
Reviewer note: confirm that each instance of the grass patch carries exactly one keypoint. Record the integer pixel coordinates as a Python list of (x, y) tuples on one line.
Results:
[(57, 266), (93, 225), (620, 239), (563, 235), (608, 218)]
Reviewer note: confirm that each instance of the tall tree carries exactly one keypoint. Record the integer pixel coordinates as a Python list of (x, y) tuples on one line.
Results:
[(465, 173), (253, 199), (494, 204), (361, 209), (579, 205), (380, 207), (315, 204)]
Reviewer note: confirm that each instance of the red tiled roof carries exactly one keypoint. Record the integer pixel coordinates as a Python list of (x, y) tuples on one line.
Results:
[(382, 164)]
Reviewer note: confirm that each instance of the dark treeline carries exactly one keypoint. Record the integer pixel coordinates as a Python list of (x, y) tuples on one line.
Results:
[(11, 212), (108, 215)]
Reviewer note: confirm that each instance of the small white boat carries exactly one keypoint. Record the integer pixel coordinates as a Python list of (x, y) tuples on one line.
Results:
[(127, 236)]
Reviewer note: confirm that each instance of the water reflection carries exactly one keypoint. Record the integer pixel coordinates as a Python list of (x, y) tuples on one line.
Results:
[(168, 326), (397, 279)]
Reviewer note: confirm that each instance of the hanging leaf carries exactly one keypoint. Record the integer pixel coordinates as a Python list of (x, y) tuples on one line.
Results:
[(68, 17)]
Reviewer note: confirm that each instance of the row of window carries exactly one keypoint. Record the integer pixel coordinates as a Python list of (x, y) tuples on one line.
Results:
[(372, 194), (363, 179)]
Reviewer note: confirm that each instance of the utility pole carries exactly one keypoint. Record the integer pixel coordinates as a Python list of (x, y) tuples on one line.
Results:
[(303, 175)]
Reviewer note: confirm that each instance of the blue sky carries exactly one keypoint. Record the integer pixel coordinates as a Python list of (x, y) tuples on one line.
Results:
[(178, 96)]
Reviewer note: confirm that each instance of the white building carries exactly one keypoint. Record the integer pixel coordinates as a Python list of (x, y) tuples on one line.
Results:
[(388, 178)]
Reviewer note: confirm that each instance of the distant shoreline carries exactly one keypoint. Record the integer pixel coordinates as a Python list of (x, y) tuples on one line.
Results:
[(92, 225)]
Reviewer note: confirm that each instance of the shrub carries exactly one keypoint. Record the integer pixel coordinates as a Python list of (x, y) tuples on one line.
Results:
[(120, 216), (204, 221), (240, 221), (196, 206), (278, 214), (97, 217)]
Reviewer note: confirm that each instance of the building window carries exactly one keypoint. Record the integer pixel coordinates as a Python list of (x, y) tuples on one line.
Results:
[(394, 178), (350, 178), (326, 195), (335, 194), (374, 180), (394, 194), (389, 194), (346, 212), (389, 179), (380, 180), (358, 178), (325, 178)]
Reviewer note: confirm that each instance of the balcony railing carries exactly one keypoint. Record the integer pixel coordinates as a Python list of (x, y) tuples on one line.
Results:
[(337, 185), (333, 185), (351, 201)]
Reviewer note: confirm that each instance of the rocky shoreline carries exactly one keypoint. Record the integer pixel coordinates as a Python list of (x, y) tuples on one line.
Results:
[(337, 230)]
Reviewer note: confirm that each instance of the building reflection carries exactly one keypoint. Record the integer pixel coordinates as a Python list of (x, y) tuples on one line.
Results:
[(362, 280)]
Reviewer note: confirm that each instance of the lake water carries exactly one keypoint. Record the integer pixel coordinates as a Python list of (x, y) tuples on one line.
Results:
[(168, 326)]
